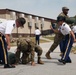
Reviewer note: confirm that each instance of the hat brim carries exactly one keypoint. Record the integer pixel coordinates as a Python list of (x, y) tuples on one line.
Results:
[(66, 9), (58, 20)]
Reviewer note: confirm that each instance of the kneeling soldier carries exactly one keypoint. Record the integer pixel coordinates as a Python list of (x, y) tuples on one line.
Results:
[(28, 48)]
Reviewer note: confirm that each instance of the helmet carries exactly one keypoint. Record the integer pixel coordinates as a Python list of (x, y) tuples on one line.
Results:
[(65, 8)]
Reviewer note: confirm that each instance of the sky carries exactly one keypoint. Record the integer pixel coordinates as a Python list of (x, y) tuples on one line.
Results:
[(44, 8)]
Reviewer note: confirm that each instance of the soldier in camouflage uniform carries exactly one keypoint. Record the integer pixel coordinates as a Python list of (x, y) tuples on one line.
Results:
[(28, 49), (58, 37)]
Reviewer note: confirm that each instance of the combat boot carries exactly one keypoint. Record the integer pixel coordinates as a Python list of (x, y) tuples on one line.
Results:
[(61, 54), (40, 61), (48, 55)]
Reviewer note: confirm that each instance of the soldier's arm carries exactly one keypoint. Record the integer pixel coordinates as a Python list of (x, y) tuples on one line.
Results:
[(55, 30), (8, 40), (71, 32)]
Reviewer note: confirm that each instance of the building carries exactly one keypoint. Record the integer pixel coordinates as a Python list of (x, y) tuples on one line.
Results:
[(32, 21)]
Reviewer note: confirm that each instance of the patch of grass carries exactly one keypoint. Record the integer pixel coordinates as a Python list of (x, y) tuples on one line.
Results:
[(73, 48), (14, 44), (43, 41), (32, 38), (50, 38)]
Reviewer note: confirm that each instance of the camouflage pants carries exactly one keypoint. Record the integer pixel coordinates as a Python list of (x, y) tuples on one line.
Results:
[(28, 56), (38, 50), (57, 40)]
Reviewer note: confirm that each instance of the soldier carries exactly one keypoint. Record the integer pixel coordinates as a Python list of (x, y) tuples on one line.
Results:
[(64, 12), (6, 28), (68, 41), (28, 48), (59, 36)]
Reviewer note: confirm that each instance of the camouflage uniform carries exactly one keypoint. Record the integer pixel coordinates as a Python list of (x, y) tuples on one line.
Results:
[(39, 50), (57, 39), (22, 47), (28, 48)]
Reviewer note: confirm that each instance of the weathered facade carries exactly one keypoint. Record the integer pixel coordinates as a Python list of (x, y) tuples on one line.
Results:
[(32, 21)]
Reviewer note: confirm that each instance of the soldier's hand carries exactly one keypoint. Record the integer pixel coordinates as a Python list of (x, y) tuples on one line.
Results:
[(8, 47), (33, 63), (50, 27), (75, 40)]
